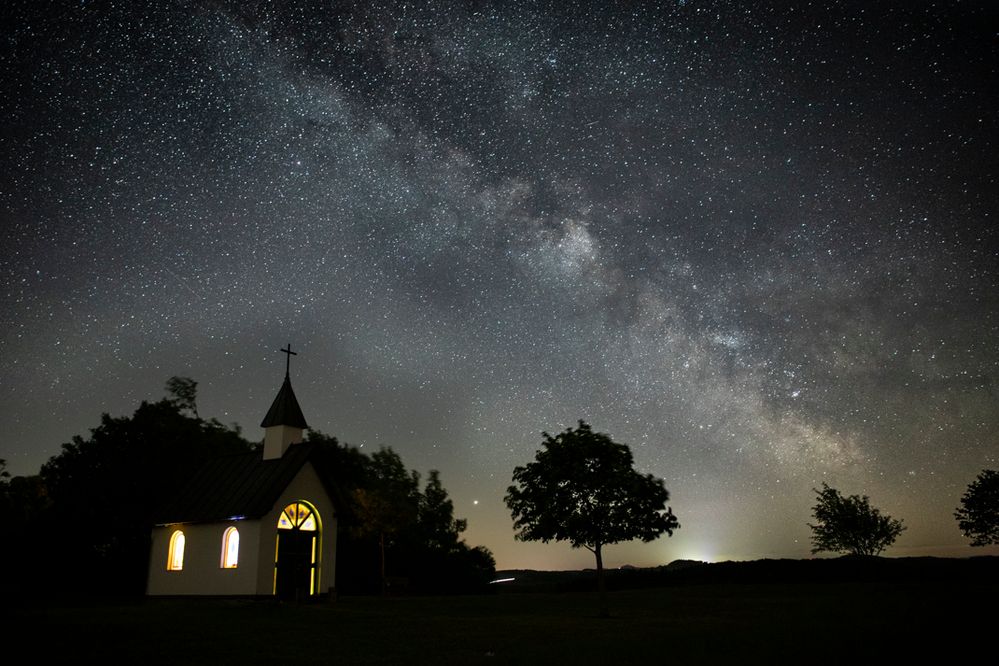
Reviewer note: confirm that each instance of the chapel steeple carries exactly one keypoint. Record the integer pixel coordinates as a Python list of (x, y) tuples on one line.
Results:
[(284, 423)]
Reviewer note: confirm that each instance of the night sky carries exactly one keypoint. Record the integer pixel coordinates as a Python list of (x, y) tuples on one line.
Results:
[(757, 244)]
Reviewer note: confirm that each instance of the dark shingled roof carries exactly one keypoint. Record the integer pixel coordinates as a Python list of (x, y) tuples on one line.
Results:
[(244, 485), (285, 410)]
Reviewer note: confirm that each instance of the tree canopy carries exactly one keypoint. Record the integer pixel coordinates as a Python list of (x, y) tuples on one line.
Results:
[(582, 488), (94, 503), (978, 515), (416, 534), (387, 504), (185, 393), (850, 524)]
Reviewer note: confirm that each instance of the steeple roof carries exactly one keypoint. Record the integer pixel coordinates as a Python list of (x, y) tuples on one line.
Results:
[(285, 410)]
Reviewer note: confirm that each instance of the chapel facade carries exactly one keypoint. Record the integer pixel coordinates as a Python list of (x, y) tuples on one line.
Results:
[(259, 524)]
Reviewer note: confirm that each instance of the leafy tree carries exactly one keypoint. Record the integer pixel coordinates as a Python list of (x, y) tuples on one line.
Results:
[(387, 504), (978, 515), (6, 499), (583, 488), (463, 570), (850, 524), (103, 491), (185, 393), (440, 530), (347, 465), (419, 539), (441, 560), (24, 518)]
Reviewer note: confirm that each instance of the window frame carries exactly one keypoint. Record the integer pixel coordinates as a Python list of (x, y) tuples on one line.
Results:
[(175, 552), (228, 535)]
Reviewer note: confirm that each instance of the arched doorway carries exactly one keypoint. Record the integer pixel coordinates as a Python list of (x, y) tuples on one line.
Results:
[(296, 563)]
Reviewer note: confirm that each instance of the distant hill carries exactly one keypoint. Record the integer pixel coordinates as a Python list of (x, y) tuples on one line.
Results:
[(826, 570)]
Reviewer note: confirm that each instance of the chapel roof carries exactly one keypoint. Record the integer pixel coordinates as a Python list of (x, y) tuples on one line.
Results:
[(239, 486)]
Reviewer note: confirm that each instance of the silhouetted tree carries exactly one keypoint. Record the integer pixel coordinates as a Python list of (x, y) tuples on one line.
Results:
[(6, 501), (28, 554), (346, 465), (103, 491), (583, 488), (438, 527), (387, 504), (463, 570), (850, 524), (185, 393), (441, 560), (23, 502), (978, 515), (419, 540)]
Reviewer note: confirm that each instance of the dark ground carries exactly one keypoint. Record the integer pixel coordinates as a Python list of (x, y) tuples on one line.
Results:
[(781, 611)]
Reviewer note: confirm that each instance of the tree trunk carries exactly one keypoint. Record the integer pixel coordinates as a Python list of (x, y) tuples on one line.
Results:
[(601, 587)]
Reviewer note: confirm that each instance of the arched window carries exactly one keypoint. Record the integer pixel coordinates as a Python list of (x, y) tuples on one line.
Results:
[(297, 516), (175, 556), (230, 548)]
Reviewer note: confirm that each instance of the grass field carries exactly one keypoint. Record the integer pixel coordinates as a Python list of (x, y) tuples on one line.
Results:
[(814, 623)]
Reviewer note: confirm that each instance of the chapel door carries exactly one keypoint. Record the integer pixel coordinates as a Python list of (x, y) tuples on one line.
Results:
[(296, 566)]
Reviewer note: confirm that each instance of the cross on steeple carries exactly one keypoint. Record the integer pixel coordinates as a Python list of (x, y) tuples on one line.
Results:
[(287, 366)]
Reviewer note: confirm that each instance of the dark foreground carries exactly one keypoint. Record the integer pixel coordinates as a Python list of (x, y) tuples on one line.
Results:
[(825, 622)]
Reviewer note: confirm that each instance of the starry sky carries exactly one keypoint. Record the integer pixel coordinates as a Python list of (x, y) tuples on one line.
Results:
[(754, 241)]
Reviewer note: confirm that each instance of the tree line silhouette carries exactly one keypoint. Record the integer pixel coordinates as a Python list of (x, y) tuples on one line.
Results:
[(582, 488), (82, 525)]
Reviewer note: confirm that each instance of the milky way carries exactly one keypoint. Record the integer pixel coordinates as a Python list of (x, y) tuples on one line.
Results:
[(756, 244)]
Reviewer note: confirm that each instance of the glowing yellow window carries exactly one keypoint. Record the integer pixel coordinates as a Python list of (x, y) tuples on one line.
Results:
[(297, 515), (175, 556), (230, 548)]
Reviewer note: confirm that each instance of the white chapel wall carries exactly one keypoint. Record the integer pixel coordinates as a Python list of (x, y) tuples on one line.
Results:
[(203, 573)]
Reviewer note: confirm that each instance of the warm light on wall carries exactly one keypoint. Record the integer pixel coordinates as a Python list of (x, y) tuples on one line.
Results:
[(175, 555), (230, 548)]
